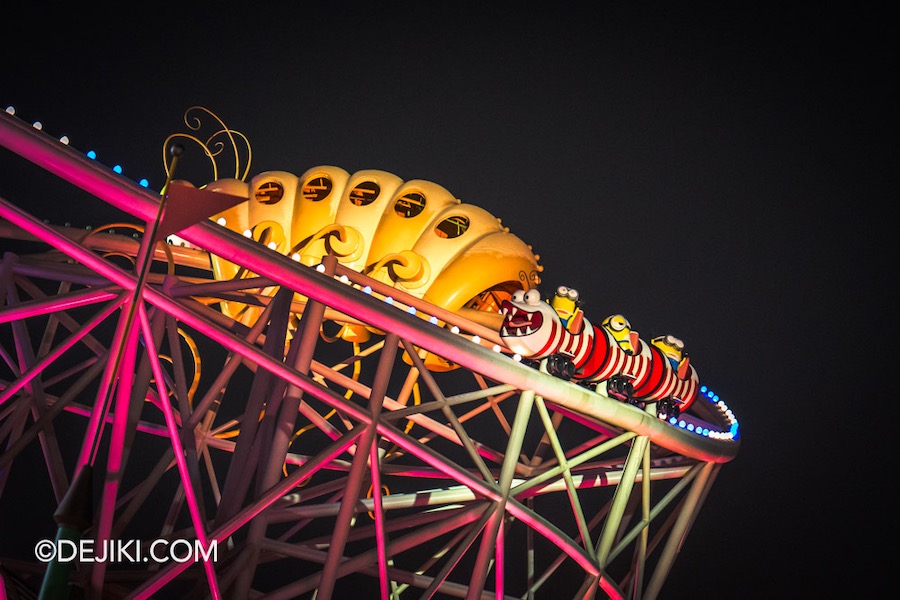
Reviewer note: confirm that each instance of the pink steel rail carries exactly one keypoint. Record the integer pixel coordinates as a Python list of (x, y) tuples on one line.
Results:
[(475, 473)]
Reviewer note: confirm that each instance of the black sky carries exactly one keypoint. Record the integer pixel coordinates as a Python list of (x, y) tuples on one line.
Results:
[(721, 173)]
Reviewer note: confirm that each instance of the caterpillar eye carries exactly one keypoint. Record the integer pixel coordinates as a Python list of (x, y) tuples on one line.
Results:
[(532, 297), (518, 296)]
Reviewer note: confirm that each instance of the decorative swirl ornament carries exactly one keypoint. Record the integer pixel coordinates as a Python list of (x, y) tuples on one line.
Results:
[(214, 144)]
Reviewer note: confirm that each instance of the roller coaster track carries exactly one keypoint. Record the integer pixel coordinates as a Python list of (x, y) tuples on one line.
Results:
[(314, 468)]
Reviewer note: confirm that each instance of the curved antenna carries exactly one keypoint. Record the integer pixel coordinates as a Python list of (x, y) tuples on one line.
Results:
[(212, 146)]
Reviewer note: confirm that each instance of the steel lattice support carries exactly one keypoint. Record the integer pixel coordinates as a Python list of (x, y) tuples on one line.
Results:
[(316, 466)]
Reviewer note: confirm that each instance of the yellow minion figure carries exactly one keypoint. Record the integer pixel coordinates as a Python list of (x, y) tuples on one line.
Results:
[(673, 348), (567, 305), (620, 329)]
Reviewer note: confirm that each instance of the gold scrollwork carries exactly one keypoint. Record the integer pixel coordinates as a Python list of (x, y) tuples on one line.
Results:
[(214, 144)]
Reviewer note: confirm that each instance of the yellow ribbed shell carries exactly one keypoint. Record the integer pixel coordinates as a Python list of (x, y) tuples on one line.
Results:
[(413, 235)]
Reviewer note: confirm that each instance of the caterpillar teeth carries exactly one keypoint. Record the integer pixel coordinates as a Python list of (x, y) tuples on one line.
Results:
[(519, 322), (516, 332)]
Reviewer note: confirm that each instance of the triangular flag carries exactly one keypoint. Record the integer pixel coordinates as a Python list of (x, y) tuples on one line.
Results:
[(187, 205)]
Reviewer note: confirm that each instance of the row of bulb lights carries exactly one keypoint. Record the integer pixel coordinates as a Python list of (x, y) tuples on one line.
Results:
[(727, 413), (65, 141)]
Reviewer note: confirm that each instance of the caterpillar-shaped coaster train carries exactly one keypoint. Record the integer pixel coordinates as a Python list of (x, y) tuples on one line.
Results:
[(610, 358)]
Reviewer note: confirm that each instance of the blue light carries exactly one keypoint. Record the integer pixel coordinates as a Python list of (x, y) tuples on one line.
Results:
[(118, 169), (703, 389), (144, 183), (91, 154), (367, 289), (411, 310), (433, 320)]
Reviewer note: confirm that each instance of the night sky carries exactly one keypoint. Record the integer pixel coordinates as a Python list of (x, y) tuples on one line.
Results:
[(716, 173)]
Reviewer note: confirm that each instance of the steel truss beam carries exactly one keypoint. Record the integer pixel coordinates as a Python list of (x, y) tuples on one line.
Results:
[(316, 466)]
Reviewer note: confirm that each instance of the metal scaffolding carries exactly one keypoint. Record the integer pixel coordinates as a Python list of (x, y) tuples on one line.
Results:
[(313, 466)]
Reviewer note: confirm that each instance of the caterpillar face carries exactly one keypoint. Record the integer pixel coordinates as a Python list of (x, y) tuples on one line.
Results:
[(528, 324), (414, 235)]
